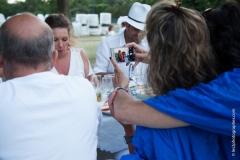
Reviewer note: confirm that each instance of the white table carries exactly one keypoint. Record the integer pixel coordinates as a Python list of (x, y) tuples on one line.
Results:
[(110, 136)]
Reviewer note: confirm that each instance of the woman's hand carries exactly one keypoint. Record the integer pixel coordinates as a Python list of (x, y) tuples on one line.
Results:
[(127, 127), (141, 54), (110, 102), (120, 80)]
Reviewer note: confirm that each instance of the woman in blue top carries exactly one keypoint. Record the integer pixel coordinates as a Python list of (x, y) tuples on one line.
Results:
[(195, 122)]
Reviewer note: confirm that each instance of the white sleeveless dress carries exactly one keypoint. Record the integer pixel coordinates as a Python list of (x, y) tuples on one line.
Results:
[(76, 64)]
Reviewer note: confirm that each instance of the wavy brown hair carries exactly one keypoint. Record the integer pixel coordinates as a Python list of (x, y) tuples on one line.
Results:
[(61, 21), (180, 49)]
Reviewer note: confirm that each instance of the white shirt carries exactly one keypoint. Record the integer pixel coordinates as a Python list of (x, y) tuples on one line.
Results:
[(76, 67), (103, 63), (111, 33), (121, 29), (44, 116)]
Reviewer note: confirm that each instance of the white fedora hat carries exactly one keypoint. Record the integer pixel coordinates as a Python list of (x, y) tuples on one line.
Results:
[(137, 15)]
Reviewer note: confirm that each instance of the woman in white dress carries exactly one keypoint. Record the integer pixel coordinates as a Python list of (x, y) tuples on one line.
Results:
[(71, 61), (110, 31)]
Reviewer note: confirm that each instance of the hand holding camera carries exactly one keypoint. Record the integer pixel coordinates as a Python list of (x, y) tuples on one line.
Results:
[(123, 54)]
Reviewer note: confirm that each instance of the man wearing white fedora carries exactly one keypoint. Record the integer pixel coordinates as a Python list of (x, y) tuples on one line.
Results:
[(135, 24)]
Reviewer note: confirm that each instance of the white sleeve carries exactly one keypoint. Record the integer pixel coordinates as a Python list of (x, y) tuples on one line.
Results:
[(102, 58), (100, 118)]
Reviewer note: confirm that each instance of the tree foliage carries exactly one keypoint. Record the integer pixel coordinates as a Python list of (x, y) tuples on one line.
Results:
[(116, 7)]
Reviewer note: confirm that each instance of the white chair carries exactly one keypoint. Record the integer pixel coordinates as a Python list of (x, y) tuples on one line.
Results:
[(77, 28), (46, 15), (94, 28), (8, 17), (105, 20), (41, 16), (2, 19), (83, 19)]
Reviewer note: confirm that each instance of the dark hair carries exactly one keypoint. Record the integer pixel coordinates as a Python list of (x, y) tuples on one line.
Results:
[(31, 51), (61, 21), (58, 21), (224, 25), (110, 27), (180, 49)]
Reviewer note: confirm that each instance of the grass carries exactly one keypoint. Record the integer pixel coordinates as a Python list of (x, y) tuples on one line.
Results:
[(89, 44)]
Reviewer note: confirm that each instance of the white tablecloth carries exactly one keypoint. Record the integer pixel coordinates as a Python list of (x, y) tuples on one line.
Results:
[(110, 136)]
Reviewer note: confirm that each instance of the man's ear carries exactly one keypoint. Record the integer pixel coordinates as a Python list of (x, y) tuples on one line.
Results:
[(54, 58), (1, 61)]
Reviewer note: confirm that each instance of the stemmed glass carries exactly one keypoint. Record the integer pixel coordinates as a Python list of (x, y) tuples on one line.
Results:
[(107, 84), (136, 76), (96, 82)]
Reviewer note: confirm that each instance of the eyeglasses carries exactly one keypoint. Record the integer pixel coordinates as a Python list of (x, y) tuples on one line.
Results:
[(207, 12)]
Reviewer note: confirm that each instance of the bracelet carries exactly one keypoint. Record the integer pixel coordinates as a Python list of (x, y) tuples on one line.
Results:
[(119, 88), (128, 139)]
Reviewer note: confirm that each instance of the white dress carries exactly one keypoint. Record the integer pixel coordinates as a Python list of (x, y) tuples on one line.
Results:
[(76, 64)]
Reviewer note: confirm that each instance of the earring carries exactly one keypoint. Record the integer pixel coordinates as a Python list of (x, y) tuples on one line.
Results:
[(68, 47)]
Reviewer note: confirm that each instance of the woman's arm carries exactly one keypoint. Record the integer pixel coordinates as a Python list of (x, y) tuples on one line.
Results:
[(129, 111), (1, 72), (85, 63)]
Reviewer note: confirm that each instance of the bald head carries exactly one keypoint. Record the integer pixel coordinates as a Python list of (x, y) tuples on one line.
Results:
[(26, 41), (26, 26)]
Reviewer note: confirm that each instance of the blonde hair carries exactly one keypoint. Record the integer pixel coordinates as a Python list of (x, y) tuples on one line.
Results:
[(180, 50)]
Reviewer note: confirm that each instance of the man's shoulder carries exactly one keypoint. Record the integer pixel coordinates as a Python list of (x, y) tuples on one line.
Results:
[(115, 39), (77, 79)]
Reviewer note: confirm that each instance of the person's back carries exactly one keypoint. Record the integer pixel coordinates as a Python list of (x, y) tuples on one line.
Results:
[(46, 116), (186, 56), (42, 115)]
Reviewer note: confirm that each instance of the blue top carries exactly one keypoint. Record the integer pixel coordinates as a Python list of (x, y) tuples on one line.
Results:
[(212, 109)]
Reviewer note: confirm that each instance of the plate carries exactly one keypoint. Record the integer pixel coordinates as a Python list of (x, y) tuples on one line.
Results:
[(106, 112), (105, 108), (144, 93)]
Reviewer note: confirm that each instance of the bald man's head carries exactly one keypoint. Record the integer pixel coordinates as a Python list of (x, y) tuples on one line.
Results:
[(26, 40), (26, 26)]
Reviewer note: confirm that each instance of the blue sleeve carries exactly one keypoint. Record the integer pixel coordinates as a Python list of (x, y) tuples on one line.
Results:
[(214, 106)]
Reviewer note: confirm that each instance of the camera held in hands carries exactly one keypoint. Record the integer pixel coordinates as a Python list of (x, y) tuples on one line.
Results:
[(123, 54)]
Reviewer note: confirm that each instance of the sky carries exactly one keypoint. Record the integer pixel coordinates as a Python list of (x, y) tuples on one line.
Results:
[(13, 1)]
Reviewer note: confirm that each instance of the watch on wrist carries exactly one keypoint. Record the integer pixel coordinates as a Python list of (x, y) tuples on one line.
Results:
[(128, 139), (121, 88)]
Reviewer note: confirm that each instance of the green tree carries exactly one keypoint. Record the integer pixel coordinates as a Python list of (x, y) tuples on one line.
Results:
[(116, 7), (63, 7)]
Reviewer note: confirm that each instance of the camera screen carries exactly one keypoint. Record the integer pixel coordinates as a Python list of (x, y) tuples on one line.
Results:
[(123, 54)]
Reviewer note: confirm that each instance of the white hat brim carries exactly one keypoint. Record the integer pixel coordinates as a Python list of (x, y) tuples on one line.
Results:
[(135, 24)]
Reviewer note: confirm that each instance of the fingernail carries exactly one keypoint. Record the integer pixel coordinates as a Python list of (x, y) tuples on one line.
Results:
[(110, 58)]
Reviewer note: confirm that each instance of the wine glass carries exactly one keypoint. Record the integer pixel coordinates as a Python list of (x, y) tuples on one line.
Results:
[(107, 84), (96, 82)]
